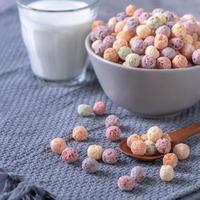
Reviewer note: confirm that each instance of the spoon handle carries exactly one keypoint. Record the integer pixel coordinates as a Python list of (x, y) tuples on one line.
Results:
[(183, 133)]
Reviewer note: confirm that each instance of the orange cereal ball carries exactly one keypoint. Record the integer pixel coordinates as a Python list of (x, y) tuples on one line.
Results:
[(58, 145), (179, 61), (97, 23), (125, 35), (132, 138), (182, 151), (111, 55), (152, 51), (130, 9), (80, 133), (119, 26), (179, 30), (161, 41), (138, 147), (188, 50), (170, 159), (143, 31), (119, 43)]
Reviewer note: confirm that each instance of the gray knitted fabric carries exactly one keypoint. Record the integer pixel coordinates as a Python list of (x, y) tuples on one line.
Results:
[(32, 112)]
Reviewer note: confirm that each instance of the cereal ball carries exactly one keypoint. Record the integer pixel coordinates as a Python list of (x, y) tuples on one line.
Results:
[(124, 52), (143, 31), (132, 60), (197, 45), (58, 145), (121, 16), (95, 151), (144, 16), (138, 147), (119, 26), (165, 30), (162, 18), (168, 52), (154, 133), (80, 133), (112, 22), (152, 51), (124, 35), (170, 16), (182, 151), (100, 48), (118, 44), (99, 108), (112, 120), (110, 54), (90, 165), (85, 110), (148, 62), (138, 12), (170, 159), (161, 41), (109, 40), (130, 9), (110, 156), (188, 39), (101, 32), (95, 44), (166, 173), (138, 46), (149, 40), (126, 183), (188, 17), (187, 50), (179, 30), (144, 137), (150, 148), (69, 155), (132, 24), (190, 26), (196, 57), (154, 22), (164, 63), (176, 43), (97, 23), (131, 138), (163, 146), (138, 173), (113, 133), (179, 61)]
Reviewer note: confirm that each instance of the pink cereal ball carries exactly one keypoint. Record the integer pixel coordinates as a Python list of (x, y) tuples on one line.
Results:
[(113, 133), (138, 173), (176, 43), (165, 30), (148, 62), (190, 26), (163, 145), (69, 155), (164, 63), (112, 120), (168, 52), (58, 145), (179, 61), (138, 12), (161, 41), (187, 50), (99, 108), (126, 183), (196, 57), (138, 148), (148, 41), (144, 16), (110, 156)]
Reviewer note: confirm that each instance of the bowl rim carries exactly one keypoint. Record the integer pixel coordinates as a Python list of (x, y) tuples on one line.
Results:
[(90, 51)]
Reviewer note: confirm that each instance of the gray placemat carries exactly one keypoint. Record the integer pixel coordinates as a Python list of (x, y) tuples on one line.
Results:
[(32, 112)]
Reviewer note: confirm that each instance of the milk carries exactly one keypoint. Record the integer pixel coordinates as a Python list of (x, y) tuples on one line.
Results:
[(55, 40)]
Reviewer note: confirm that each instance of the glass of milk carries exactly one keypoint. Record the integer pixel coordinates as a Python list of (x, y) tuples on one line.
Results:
[(54, 32)]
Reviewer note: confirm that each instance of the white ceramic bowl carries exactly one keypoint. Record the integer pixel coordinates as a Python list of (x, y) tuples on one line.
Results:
[(148, 92)]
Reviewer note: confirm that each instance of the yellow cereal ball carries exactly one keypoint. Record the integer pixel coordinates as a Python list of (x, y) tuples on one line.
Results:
[(80, 133), (119, 26), (95, 152), (188, 50), (95, 44), (179, 30), (131, 138), (154, 22), (119, 43), (130, 9), (162, 18), (188, 39), (154, 133), (152, 51), (182, 151), (112, 22), (197, 45), (170, 159), (161, 41), (97, 23), (58, 145), (166, 173), (144, 137), (138, 147), (179, 61), (111, 55), (125, 35), (143, 31), (132, 60)]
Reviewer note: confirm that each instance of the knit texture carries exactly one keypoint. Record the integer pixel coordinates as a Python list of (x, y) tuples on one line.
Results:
[(33, 112)]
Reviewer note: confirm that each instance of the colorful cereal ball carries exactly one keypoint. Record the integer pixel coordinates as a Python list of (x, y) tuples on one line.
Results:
[(101, 32), (130, 9), (138, 147), (121, 16), (138, 173), (126, 183), (143, 31), (166, 173), (80, 133), (165, 30), (95, 152), (138, 46), (69, 155), (132, 60), (149, 40), (112, 22), (179, 30), (124, 35), (162, 18), (85, 110), (112, 120), (131, 138), (164, 63), (182, 151), (138, 12), (154, 22), (152, 51), (99, 108), (118, 44), (154, 133), (170, 16), (100, 49), (179, 61), (168, 52), (163, 146), (132, 24), (150, 148), (113, 133), (190, 26), (108, 41), (97, 23), (148, 62), (110, 54), (95, 44), (58, 145), (170, 159), (110, 156), (196, 57), (187, 50), (144, 16), (90, 165), (119, 26), (176, 43), (124, 52), (161, 41)]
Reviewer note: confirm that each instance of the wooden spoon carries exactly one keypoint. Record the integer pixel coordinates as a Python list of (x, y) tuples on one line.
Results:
[(176, 137)]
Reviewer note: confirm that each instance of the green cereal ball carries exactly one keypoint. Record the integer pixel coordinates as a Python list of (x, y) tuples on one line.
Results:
[(154, 22), (124, 52), (133, 60)]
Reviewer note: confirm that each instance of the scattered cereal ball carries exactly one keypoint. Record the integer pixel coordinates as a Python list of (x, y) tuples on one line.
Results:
[(58, 145), (97, 23), (119, 26), (187, 50), (188, 39), (90, 165), (100, 48), (144, 16), (80, 133), (108, 41), (154, 22), (138, 147), (196, 57), (162, 18), (176, 43), (132, 60), (163, 146), (99, 108), (112, 120), (124, 52), (95, 44), (138, 173), (110, 54), (148, 62), (85, 110), (164, 63), (169, 52), (113, 133), (152, 51), (126, 183), (124, 35), (166, 173), (161, 41), (149, 40), (143, 31), (118, 44), (154, 133), (95, 151), (179, 30), (131, 138), (182, 151), (121, 16), (165, 30), (138, 46), (150, 147), (69, 155), (101, 32), (110, 156), (170, 159), (138, 12), (132, 24), (130, 9), (179, 61), (144, 137)]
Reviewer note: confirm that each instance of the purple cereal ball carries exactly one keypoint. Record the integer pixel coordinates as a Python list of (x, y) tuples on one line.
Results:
[(163, 146), (165, 30), (100, 48), (113, 133), (132, 24), (90, 165), (149, 41), (170, 16), (169, 52), (148, 62), (101, 32), (93, 36), (144, 16), (138, 12), (196, 57), (176, 43), (191, 26), (112, 120), (164, 63), (126, 183), (121, 16), (110, 156), (138, 46), (69, 155), (109, 40), (138, 173)]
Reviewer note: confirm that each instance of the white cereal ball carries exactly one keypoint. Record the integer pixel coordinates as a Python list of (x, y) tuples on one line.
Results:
[(182, 151), (152, 51), (166, 173), (154, 133)]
